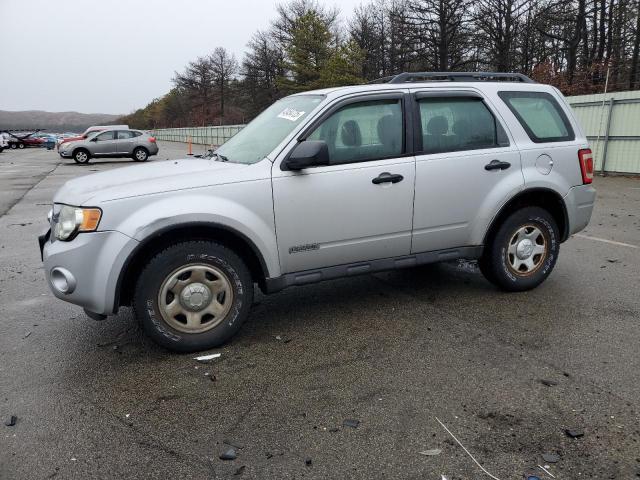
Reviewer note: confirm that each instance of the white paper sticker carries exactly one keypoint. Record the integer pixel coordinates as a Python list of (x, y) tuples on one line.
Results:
[(290, 114)]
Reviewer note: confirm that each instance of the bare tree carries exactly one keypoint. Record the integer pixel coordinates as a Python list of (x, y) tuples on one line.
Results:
[(224, 67)]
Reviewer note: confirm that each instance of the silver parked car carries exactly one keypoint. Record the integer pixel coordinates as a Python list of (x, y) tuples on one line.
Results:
[(112, 143), (418, 168)]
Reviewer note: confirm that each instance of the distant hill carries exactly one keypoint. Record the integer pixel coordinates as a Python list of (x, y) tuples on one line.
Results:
[(54, 121)]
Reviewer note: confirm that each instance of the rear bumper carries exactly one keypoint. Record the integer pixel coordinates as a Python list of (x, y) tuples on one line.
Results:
[(579, 202)]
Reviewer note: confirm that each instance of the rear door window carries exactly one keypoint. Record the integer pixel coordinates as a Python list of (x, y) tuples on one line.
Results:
[(540, 115), (125, 134), (451, 124)]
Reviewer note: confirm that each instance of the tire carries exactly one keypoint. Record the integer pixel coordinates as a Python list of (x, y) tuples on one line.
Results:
[(81, 156), (21, 145), (523, 251), (13, 146), (175, 277), (140, 154)]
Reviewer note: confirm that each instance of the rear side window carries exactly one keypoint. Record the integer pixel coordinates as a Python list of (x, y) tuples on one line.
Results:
[(451, 124), (540, 115), (125, 134)]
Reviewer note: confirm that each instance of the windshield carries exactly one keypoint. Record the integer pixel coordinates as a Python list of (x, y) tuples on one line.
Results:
[(255, 141)]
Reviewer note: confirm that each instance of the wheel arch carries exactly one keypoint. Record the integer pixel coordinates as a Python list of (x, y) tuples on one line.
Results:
[(169, 235), (545, 198)]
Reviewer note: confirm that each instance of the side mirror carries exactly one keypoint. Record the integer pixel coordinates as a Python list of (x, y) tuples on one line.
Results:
[(310, 153), (94, 139)]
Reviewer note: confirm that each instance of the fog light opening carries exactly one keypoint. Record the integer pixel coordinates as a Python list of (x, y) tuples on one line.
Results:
[(63, 280)]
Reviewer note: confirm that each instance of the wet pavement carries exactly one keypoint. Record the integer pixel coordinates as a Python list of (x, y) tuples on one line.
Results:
[(507, 374)]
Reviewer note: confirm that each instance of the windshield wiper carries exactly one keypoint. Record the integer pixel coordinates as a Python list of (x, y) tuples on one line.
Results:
[(221, 158)]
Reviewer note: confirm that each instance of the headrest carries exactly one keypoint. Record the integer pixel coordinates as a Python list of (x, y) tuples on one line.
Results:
[(389, 131), (350, 134), (438, 125)]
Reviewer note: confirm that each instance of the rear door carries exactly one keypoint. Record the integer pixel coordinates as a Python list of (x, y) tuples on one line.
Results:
[(125, 141), (466, 165)]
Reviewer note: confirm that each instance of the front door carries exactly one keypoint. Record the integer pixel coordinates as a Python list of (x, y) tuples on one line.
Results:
[(104, 144), (466, 166), (360, 206)]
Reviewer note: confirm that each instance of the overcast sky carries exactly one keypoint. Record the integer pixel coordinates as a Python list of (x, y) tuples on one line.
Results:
[(94, 56)]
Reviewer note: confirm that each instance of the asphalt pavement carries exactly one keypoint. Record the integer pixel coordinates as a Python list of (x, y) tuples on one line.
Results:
[(404, 354)]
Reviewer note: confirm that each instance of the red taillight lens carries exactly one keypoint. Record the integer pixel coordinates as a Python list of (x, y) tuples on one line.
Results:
[(153, 140), (586, 164)]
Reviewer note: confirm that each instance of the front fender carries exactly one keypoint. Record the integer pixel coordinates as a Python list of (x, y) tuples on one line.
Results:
[(245, 207)]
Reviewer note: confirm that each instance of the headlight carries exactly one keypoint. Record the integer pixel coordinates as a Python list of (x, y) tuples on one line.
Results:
[(71, 220)]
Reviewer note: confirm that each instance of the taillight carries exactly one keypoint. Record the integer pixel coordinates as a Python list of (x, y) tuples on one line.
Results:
[(153, 140), (586, 164)]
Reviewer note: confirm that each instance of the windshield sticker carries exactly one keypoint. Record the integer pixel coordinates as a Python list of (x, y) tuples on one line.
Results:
[(290, 114)]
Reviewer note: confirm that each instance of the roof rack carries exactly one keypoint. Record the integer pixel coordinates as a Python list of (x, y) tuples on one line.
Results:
[(408, 77)]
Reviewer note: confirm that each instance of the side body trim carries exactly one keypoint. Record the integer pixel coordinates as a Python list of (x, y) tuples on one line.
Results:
[(276, 284)]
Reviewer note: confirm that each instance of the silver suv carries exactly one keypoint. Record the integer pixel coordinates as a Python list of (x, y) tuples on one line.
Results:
[(416, 169), (114, 143)]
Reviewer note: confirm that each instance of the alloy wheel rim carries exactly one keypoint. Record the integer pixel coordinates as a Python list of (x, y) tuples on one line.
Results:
[(82, 157), (141, 155), (195, 298), (527, 250)]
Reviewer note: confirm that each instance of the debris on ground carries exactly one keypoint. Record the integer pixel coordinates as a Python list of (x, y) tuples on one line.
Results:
[(229, 454), (11, 421), (350, 422), (240, 470), (546, 471), (466, 451), (210, 376), (26, 335), (551, 457), (431, 453), (334, 429), (574, 433), (233, 443), (207, 358), (612, 260), (548, 383), (308, 462)]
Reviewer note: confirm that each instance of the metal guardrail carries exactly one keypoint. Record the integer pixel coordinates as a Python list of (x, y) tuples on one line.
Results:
[(209, 136), (611, 122)]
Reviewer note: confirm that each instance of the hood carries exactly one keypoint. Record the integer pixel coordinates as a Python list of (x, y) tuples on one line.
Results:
[(149, 178)]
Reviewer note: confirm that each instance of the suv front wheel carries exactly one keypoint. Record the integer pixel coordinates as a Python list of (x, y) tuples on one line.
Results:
[(193, 296), (523, 251)]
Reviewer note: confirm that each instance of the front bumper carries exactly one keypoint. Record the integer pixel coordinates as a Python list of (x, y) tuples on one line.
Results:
[(579, 202), (94, 261)]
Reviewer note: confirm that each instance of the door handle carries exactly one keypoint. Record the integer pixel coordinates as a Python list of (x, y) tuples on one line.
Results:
[(497, 165), (386, 177)]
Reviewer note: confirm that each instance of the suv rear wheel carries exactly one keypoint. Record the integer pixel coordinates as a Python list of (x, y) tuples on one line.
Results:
[(523, 251), (140, 154), (193, 296)]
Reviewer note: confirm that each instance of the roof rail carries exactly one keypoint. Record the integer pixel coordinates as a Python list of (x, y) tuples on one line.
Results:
[(408, 77)]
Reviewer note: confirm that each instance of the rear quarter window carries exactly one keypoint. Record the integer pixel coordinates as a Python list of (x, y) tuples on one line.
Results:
[(540, 115)]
